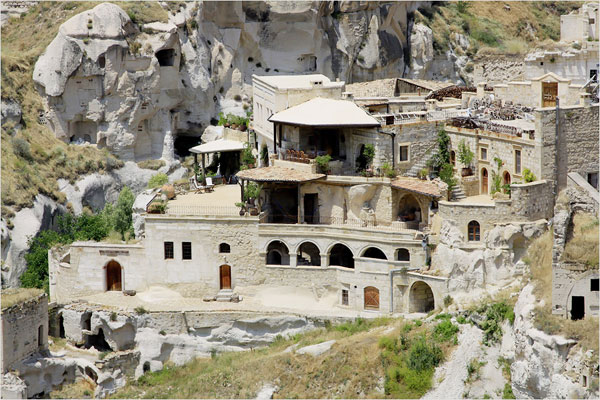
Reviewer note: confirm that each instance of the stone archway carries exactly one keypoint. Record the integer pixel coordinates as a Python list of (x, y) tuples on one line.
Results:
[(114, 279), (421, 298), (506, 178), (410, 211)]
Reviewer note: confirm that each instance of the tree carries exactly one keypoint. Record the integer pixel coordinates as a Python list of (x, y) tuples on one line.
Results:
[(465, 154), (443, 154), (123, 221)]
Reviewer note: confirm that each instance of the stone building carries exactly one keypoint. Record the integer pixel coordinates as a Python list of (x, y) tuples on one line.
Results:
[(24, 328), (581, 25)]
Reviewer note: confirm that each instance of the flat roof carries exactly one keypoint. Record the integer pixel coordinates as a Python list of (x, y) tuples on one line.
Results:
[(218, 146), (278, 174), (297, 81), (325, 112), (12, 296), (415, 185)]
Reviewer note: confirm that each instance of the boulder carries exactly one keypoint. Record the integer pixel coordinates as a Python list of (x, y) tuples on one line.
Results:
[(316, 349)]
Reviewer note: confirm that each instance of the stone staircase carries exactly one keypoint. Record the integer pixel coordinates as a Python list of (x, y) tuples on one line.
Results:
[(422, 163), (457, 193), (227, 295)]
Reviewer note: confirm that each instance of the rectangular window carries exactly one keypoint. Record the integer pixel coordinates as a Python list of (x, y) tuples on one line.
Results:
[(403, 153), (168, 250), (186, 250), (594, 285), (517, 161), (345, 297), (592, 178), (484, 153)]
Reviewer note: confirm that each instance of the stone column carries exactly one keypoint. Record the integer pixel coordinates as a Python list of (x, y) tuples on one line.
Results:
[(293, 260), (324, 260)]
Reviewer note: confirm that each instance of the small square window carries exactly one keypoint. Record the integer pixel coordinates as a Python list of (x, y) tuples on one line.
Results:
[(168, 250), (404, 153), (594, 286), (484, 153), (344, 297), (186, 250)]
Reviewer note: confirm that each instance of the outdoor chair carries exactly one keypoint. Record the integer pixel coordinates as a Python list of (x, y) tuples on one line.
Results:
[(209, 185)]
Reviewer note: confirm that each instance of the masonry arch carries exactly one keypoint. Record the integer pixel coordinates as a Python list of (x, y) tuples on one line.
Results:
[(410, 210), (374, 252), (421, 298), (402, 255), (506, 178), (278, 253), (308, 253), (114, 276), (473, 231), (340, 255)]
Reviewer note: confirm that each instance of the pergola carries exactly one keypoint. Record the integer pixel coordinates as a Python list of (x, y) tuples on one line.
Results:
[(217, 146)]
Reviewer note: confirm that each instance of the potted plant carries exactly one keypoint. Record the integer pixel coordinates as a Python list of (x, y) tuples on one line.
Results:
[(465, 156), (422, 174), (323, 163), (242, 207), (248, 158)]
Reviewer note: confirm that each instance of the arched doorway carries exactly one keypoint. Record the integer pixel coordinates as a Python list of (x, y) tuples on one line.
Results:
[(506, 178), (453, 158), (484, 181), (374, 252), (409, 211), (308, 254), (371, 298), (225, 277), (113, 276), (342, 256), (421, 298), (278, 253)]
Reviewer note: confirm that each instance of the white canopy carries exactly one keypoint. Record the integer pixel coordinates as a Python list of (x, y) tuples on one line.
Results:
[(218, 146), (325, 112)]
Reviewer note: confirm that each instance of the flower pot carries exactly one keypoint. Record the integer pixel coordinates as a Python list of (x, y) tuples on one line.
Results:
[(254, 211), (242, 212), (466, 172), (243, 128), (234, 126)]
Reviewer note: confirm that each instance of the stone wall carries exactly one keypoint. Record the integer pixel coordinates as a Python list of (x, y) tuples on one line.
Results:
[(576, 149), (533, 200), (420, 137), (24, 330)]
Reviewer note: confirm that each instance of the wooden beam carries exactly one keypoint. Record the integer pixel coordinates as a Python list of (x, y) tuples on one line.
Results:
[(203, 174)]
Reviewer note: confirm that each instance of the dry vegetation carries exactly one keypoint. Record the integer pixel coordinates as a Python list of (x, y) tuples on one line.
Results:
[(582, 241), (32, 158), (81, 389), (539, 258), (493, 29), (354, 367), (13, 296)]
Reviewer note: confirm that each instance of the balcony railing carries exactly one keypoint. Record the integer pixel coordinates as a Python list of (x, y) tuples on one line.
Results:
[(396, 226), (202, 210)]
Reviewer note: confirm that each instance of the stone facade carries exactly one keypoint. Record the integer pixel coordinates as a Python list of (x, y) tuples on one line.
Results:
[(576, 147), (24, 330)]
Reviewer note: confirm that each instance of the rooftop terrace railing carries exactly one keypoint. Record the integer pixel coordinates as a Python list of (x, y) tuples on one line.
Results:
[(396, 226), (202, 210)]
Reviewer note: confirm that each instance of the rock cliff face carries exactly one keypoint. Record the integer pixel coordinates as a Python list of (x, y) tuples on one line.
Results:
[(141, 90)]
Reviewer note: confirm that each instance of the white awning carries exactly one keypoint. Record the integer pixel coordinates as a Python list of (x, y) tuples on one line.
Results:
[(218, 146), (325, 112)]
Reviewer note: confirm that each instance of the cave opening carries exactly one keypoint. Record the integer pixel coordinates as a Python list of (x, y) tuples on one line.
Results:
[(97, 341), (166, 57), (183, 144)]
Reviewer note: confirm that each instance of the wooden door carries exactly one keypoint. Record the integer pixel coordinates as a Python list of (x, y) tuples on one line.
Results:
[(113, 276), (371, 298), (225, 276), (549, 94), (484, 181)]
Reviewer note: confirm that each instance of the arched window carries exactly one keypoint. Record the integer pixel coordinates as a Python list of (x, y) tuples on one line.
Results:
[(474, 231), (342, 256), (403, 255), (224, 248), (453, 158), (308, 254), (278, 253), (374, 252)]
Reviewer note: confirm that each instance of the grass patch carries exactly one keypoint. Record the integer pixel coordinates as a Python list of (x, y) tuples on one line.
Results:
[(151, 164), (353, 366), (10, 297), (80, 389), (582, 241), (473, 370)]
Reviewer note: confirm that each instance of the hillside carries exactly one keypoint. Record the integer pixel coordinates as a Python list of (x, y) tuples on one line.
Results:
[(494, 28)]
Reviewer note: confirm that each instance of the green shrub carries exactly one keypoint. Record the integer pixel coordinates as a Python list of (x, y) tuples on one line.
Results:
[(123, 221), (463, 6), (444, 331), (423, 355), (507, 393), (251, 191), (264, 155), (113, 316), (158, 180), (447, 176), (418, 322), (323, 163), (21, 148), (140, 310), (461, 319), (448, 300), (162, 332), (495, 314), (248, 158), (465, 154), (388, 343), (528, 176), (388, 170), (103, 355)]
